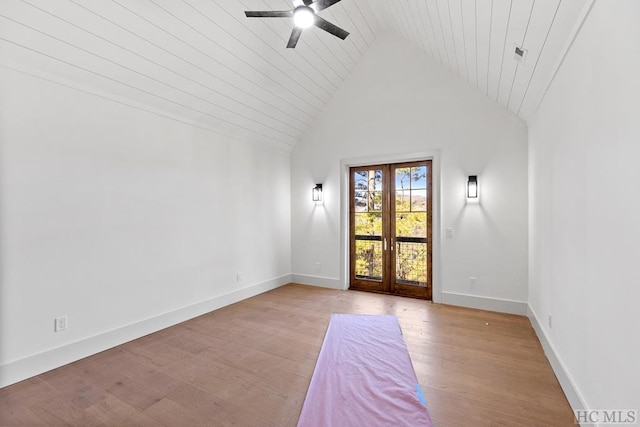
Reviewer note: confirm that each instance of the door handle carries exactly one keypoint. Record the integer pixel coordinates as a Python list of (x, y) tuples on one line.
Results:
[(385, 243), (392, 244)]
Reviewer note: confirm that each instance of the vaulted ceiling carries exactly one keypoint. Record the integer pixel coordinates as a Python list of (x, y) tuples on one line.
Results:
[(204, 62)]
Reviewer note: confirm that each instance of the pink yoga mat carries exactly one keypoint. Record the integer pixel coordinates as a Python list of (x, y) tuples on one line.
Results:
[(364, 377)]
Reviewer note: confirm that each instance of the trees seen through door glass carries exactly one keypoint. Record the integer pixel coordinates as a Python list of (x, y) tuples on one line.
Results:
[(411, 225), (390, 227), (368, 223)]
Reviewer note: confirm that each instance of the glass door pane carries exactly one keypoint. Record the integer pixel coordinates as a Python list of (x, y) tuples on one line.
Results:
[(367, 202), (410, 234), (389, 229)]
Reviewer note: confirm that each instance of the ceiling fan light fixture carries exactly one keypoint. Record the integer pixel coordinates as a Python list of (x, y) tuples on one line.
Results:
[(303, 17)]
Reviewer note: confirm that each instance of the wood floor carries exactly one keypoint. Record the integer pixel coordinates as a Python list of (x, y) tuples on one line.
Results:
[(249, 364)]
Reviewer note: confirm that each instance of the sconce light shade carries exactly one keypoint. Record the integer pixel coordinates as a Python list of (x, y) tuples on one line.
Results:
[(472, 187), (316, 193)]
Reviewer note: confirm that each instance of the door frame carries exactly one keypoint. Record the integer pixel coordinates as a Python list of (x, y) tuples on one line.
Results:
[(345, 164)]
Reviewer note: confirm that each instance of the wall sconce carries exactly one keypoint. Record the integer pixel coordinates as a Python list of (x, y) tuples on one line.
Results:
[(316, 193), (472, 187)]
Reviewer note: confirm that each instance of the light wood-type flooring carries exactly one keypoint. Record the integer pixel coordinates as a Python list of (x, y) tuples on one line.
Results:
[(249, 364)]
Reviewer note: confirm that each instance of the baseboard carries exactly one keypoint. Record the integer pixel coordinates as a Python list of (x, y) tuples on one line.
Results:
[(323, 282), (485, 303), (30, 366), (571, 391)]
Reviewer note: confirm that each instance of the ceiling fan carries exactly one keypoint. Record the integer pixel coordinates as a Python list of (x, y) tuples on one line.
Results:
[(304, 15)]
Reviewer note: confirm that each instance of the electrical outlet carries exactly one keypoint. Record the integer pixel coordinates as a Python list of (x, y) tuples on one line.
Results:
[(550, 323), (60, 324), (449, 232), (239, 277), (473, 282), (318, 267)]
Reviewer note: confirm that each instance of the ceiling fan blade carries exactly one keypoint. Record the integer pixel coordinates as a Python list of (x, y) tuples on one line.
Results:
[(323, 4), (330, 28), (269, 14), (295, 36)]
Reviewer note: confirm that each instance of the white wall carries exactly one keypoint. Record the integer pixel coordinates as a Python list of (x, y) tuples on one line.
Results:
[(584, 210), (124, 221), (396, 103)]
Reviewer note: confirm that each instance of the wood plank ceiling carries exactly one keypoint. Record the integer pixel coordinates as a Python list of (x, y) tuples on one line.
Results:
[(203, 62)]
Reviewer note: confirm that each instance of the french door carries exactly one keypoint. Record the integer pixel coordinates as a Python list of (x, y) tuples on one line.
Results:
[(390, 229)]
